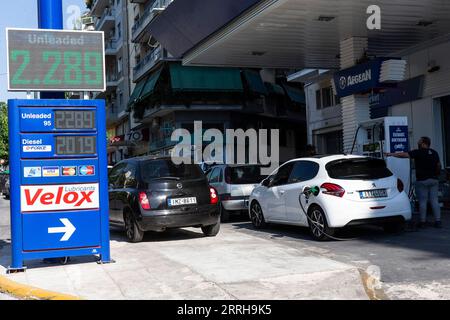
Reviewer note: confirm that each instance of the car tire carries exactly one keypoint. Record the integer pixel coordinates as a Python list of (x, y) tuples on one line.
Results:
[(133, 233), (212, 230), (257, 215), (318, 225), (224, 214), (394, 227)]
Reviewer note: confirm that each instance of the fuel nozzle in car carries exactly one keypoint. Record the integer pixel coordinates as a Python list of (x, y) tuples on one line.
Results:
[(308, 191)]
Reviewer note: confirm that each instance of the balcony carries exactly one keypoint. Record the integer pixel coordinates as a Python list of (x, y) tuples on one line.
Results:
[(113, 46), (146, 64), (114, 113), (98, 6), (113, 79), (138, 33), (107, 20)]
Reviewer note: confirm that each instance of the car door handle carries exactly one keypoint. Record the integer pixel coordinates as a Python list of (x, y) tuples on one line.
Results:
[(282, 192)]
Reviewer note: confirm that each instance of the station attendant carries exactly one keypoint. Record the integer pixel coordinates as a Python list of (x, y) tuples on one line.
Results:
[(428, 168)]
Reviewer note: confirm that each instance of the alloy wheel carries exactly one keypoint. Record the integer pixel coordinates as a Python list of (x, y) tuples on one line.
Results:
[(317, 223), (256, 215), (129, 226)]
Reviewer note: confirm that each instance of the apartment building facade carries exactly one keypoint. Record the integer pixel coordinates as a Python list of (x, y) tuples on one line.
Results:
[(110, 16), (150, 93)]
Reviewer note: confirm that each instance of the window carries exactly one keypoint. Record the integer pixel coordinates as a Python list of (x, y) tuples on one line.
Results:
[(119, 65), (214, 176), (358, 169), (119, 30), (160, 169), (304, 171), (244, 175), (318, 99), (130, 176), (115, 176), (327, 97), (282, 175)]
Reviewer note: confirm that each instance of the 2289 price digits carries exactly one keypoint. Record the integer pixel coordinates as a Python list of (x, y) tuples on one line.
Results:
[(62, 68)]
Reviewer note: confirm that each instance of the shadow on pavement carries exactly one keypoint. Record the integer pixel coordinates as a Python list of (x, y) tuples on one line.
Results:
[(118, 234)]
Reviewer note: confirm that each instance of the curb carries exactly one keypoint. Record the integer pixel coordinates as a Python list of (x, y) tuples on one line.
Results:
[(372, 286), (26, 292)]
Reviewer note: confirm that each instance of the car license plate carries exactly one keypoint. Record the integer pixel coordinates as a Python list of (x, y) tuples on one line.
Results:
[(182, 201), (373, 194)]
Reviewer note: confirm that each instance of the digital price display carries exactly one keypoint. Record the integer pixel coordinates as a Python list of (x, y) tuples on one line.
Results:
[(59, 180), (75, 145), (74, 119), (55, 60)]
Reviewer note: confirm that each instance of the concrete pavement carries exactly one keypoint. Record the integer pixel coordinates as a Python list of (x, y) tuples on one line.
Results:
[(182, 264)]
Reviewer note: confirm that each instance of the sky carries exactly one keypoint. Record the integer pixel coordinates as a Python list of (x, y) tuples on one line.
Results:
[(23, 14)]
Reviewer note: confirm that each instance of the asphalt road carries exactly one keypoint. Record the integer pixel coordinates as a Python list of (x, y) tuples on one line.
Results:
[(413, 264)]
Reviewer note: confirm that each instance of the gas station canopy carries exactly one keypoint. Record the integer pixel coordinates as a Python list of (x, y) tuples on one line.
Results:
[(299, 33)]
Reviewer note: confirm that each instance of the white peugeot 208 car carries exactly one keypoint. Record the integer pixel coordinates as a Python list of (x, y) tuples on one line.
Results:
[(330, 192)]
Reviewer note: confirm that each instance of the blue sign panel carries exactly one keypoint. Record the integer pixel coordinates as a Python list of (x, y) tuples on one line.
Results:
[(59, 189), (398, 139), (359, 79), (50, 231)]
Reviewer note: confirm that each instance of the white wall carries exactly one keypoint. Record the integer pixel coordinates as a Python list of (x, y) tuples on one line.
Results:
[(318, 119), (424, 116)]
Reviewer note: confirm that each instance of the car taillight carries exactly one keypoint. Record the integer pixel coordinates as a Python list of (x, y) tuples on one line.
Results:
[(143, 200), (214, 197), (400, 185), (333, 189)]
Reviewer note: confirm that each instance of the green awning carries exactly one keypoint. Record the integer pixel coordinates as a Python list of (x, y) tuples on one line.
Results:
[(254, 81), (274, 88), (136, 92), (201, 79), (295, 95), (150, 85)]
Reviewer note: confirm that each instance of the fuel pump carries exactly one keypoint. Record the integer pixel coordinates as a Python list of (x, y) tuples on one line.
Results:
[(389, 134)]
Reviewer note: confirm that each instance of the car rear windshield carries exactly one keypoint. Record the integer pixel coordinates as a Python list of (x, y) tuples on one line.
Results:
[(358, 169), (244, 175), (160, 169)]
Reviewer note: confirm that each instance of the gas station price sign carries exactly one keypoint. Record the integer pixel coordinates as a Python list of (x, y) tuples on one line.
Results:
[(55, 60), (59, 179)]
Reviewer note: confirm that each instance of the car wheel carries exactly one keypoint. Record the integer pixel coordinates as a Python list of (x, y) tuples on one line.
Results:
[(134, 234), (212, 230), (394, 227), (257, 216), (318, 225), (224, 214)]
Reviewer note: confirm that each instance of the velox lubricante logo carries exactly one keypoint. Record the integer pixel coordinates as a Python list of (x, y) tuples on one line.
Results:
[(59, 197)]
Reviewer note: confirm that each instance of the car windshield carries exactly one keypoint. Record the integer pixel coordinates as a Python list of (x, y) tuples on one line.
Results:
[(166, 169), (244, 175), (358, 169)]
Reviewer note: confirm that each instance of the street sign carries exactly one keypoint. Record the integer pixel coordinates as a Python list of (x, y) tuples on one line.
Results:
[(55, 60), (59, 191)]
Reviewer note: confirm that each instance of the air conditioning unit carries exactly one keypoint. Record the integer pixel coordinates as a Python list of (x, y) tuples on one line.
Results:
[(152, 42), (87, 20)]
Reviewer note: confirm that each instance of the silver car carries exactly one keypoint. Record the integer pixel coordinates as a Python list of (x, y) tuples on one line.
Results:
[(234, 184)]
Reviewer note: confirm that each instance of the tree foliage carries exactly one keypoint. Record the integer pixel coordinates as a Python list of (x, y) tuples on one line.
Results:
[(4, 146)]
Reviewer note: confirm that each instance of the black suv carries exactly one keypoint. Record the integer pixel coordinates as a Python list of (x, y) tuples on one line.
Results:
[(154, 194)]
